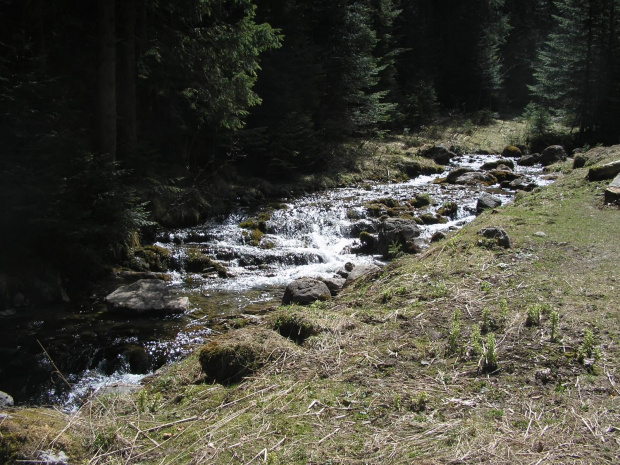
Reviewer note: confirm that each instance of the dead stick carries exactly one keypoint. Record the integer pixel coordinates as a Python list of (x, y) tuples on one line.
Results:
[(54, 365)]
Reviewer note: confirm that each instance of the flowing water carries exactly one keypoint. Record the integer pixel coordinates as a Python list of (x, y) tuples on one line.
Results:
[(312, 236)]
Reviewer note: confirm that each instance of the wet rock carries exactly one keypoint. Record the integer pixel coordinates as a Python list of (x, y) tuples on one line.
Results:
[(334, 284), (438, 236), (612, 193), (397, 231), (519, 184), (456, 173), (359, 271), (476, 178), (603, 172), (512, 151), (504, 175), (552, 154), (138, 359), (529, 160), (146, 296), (440, 155), (487, 201), (5, 400), (363, 226), (492, 165), (497, 233), (305, 291), (415, 168)]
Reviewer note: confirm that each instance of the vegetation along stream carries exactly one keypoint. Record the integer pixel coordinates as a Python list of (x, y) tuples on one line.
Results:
[(253, 255)]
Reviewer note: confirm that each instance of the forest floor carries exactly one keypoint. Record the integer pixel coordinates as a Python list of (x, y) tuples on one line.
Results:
[(393, 370)]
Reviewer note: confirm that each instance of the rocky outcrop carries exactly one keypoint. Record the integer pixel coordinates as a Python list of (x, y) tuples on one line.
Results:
[(5, 400), (146, 297), (552, 154), (612, 193), (603, 172), (304, 291), (397, 231), (486, 202), (499, 234)]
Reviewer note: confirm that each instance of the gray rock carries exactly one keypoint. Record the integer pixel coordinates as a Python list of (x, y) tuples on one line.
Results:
[(579, 161), (5, 400), (441, 155), (519, 184), (492, 165), (456, 173), (361, 270), (612, 193), (487, 201), (397, 231), (529, 160), (476, 178), (552, 154), (603, 172), (304, 291), (497, 233), (335, 284), (146, 296)]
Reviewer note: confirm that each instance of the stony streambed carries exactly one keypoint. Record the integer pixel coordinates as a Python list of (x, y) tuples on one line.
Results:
[(246, 260)]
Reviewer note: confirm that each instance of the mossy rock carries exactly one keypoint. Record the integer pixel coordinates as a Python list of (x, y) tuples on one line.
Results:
[(421, 200), (253, 236), (200, 263), (156, 258), (511, 151), (449, 209), (238, 354)]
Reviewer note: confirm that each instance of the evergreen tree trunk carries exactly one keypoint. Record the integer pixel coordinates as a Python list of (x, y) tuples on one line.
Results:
[(127, 126), (106, 92)]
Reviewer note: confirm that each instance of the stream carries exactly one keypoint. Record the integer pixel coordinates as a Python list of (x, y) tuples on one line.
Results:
[(314, 235)]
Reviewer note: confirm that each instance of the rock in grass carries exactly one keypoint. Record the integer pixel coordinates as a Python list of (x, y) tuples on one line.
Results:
[(5, 400), (612, 193), (552, 154), (487, 201), (606, 171), (334, 284), (146, 296), (232, 356), (497, 233), (305, 291), (359, 271)]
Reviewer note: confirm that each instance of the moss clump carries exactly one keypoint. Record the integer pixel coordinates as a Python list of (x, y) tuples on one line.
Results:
[(232, 356), (421, 200), (253, 236), (449, 209), (156, 258), (511, 151), (294, 325)]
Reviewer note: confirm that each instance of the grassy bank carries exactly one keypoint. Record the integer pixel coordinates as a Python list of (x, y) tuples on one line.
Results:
[(401, 367)]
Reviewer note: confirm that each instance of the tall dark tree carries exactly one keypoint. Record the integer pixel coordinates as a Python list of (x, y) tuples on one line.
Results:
[(577, 67)]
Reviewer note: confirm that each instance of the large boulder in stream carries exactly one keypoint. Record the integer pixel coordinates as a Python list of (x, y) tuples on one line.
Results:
[(399, 232), (304, 291), (146, 297)]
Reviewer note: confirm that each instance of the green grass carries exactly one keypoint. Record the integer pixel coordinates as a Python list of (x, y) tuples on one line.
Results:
[(373, 382)]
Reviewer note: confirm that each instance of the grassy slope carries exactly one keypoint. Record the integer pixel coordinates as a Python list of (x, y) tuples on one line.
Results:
[(378, 384)]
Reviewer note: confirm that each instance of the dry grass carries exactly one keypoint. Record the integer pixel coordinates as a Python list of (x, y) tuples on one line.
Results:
[(373, 382)]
